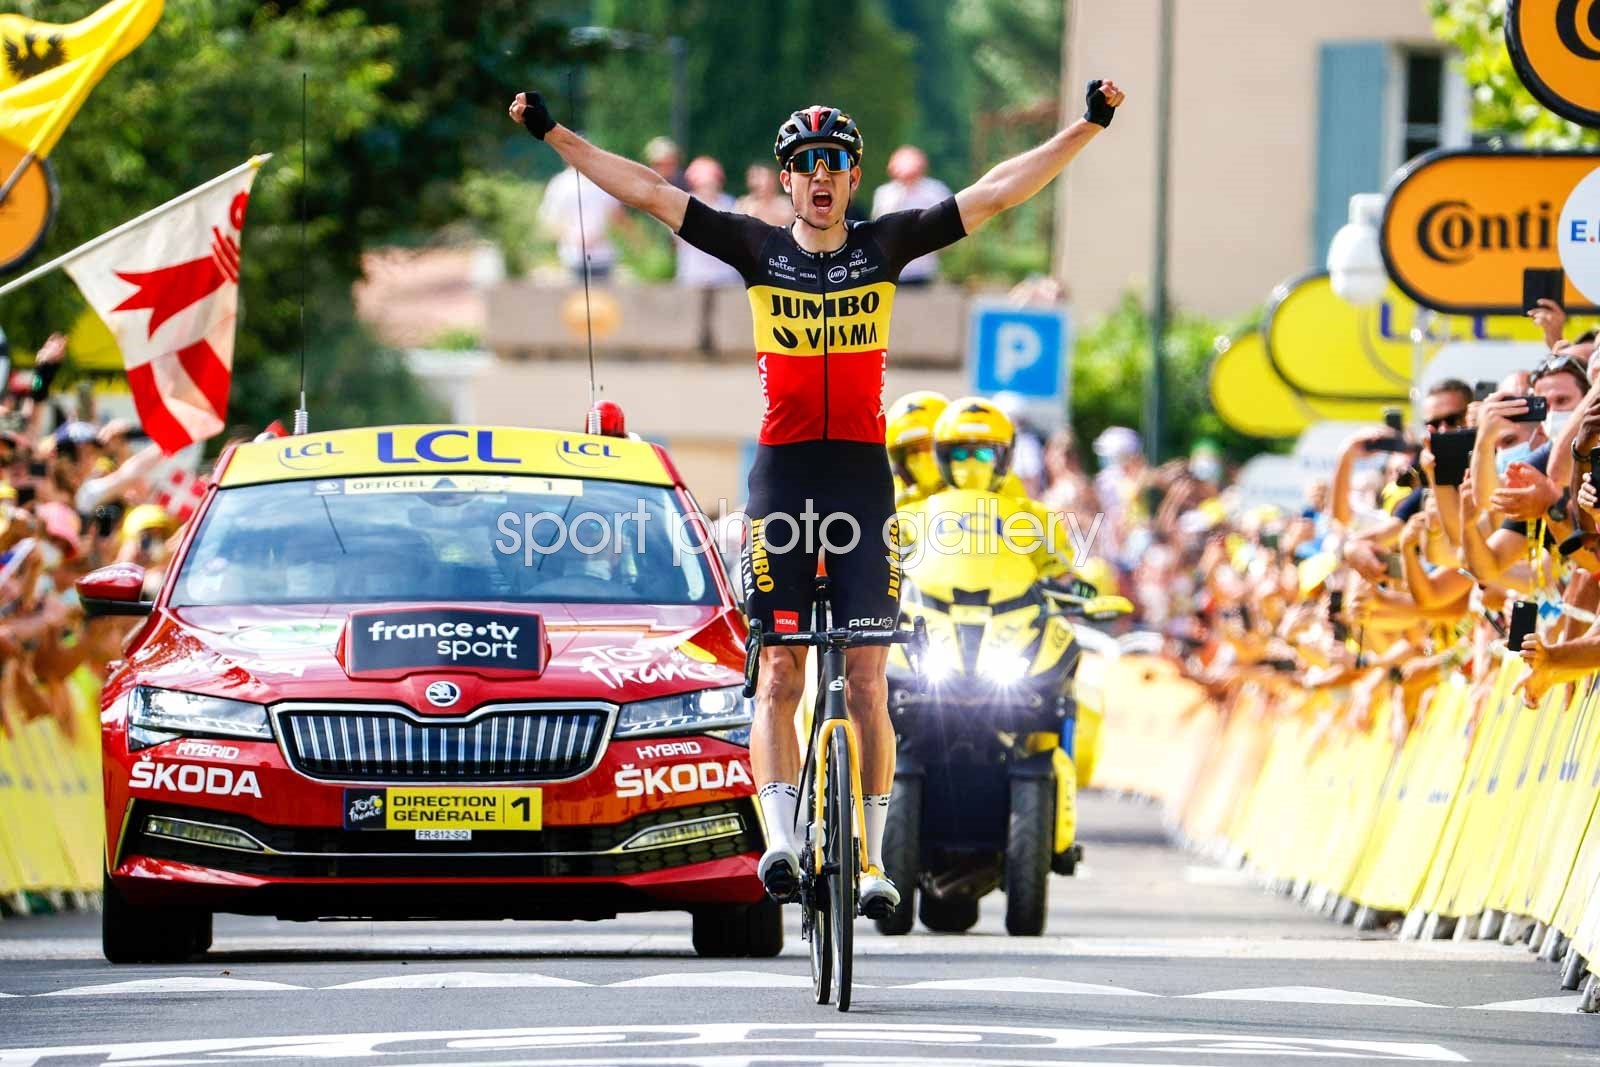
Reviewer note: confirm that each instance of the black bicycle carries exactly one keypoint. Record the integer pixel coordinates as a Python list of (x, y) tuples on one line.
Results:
[(829, 816)]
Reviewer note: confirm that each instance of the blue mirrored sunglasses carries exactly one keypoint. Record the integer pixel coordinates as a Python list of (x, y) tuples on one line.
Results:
[(833, 159), (962, 453)]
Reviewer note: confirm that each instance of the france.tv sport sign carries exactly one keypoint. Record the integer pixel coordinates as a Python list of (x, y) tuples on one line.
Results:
[(1555, 48), (1461, 226)]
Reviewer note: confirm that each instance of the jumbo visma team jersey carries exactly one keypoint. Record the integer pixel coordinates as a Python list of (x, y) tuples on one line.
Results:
[(821, 320)]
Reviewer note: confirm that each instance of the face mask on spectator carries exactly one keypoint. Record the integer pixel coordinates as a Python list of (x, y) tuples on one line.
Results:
[(1555, 422), (1517, 453)]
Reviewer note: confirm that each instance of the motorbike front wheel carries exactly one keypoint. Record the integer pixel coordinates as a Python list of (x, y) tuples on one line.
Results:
[(1030, 846), (902, 853)]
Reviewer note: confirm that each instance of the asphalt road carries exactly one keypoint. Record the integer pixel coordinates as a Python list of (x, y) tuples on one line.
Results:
[(1152, 958)]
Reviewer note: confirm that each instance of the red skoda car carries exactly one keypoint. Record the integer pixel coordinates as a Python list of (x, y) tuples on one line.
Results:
[(432, 672)]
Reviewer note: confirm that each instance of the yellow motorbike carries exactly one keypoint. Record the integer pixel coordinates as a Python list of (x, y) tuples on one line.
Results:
[(985, 792)]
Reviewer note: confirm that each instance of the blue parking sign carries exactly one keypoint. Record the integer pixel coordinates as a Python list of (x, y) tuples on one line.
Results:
[(1019, 350)]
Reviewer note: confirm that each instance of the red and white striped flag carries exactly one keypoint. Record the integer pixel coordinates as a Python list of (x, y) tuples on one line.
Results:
[(167, 285), (181, 494)]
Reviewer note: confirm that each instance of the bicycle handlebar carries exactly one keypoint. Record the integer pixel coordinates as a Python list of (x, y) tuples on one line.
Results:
[(916, 637)]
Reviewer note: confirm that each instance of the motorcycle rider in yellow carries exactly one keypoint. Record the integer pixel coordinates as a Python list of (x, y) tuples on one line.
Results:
[(972, 441), (909, 438), (908, 435)]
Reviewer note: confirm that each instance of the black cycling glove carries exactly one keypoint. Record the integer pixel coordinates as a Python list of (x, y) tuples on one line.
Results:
[(536, 117), (1100, 111)]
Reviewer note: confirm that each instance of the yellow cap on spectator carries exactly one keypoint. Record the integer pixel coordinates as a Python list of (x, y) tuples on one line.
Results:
[(147, 517)]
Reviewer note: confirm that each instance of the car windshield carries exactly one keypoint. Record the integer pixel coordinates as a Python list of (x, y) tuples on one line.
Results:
[(449, 538)]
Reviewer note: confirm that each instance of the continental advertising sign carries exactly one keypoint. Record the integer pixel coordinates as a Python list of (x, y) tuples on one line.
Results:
[(1461, 227), (414, 450), (1555, 48)]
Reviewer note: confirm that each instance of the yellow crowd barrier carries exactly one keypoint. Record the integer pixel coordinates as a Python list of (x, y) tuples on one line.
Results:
[(1482, 805), (51, 822)]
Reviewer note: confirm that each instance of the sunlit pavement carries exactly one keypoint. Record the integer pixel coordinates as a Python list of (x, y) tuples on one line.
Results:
[(1151, 957)]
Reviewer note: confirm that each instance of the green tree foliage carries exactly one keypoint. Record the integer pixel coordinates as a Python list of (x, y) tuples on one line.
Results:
[(1111, 363), (1501, 105), (750, 65)]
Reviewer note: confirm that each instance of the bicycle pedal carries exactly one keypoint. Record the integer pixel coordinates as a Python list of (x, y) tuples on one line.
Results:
[(877, 908)]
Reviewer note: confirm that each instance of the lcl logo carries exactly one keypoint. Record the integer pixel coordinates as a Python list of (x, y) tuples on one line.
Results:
[(587, 453), (308, 455)]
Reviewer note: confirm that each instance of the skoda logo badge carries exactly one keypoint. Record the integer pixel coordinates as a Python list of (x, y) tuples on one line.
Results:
[(442, 694)]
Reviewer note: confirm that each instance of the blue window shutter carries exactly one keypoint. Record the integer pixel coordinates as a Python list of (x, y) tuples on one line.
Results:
[(1352, 88)]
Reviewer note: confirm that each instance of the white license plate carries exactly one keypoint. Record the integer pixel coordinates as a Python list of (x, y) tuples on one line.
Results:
[(444, 835)]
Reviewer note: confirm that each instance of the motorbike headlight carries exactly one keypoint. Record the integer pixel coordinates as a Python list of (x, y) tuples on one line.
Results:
[(705, 709), (157, 715), (1005, 670), (938, 668)]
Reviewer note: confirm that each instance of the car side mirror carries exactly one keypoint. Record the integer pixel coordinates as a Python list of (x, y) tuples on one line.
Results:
[(114, 590)]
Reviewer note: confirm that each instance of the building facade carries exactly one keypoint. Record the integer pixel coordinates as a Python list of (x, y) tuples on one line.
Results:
[(1281, 111)]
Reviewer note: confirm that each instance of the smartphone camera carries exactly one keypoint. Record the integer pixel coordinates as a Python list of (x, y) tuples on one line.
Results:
[(1524, 616), (1538, 408)]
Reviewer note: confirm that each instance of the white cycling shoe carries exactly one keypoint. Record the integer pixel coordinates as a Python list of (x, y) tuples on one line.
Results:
[(779, 871), (879, 896)]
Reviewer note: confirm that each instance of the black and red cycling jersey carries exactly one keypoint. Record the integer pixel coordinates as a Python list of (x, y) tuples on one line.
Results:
[(821, 319)]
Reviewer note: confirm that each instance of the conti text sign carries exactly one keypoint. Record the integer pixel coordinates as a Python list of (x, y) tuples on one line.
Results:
[(1555, 47), (1462, 226)]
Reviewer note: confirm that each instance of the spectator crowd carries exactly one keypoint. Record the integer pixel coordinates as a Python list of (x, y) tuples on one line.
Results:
[(77, 492), (1428, 553)]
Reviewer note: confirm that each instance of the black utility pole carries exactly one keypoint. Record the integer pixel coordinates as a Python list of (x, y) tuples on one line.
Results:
[(1153, 413)]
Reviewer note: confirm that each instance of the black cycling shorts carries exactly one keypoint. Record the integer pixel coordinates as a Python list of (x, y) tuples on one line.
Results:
[(828, 498)]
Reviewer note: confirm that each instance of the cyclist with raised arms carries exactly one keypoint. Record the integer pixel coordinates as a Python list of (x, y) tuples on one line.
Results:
[(821, 292)]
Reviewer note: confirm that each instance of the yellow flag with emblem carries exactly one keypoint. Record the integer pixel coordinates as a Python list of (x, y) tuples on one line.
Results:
[(47, 70)]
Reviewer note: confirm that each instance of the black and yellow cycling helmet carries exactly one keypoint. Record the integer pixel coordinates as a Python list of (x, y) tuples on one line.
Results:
[(972, 443), (908, 435), (817, 126)]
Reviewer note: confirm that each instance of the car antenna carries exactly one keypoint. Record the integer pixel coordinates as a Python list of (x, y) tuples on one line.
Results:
[(591, 420), (302, 418)]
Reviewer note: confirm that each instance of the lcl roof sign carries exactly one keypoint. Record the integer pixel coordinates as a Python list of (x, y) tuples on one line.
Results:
[(1462, 226), (1555, 47)]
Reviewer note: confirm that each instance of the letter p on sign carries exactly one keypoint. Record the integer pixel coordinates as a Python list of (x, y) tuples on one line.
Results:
[(1020, 350)]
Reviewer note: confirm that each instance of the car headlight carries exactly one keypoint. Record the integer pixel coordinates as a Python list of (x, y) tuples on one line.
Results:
[(705, 709), (157, 715)]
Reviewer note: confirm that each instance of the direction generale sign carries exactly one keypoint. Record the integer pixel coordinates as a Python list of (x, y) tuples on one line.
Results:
[(1461, 226), (1555, 48)]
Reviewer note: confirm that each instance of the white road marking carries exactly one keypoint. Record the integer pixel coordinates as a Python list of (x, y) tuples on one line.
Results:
[(1566, 1003), (722, 980), (396, 946), (1310, 994), (978, 1044), (1026, 985), (458, 980), (1224, 876), (184, 984)]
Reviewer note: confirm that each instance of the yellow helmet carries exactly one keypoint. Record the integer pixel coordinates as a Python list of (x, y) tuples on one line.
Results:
[(909, 438), (972, 443)]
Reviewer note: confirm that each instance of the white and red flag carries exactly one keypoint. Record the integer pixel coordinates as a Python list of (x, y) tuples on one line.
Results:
[(167, 286)]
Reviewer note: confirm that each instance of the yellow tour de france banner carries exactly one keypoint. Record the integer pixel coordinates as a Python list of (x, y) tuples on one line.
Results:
[(1251, 398), (1555, 48), (46, 73), (1468, 231), (1327, 349)]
